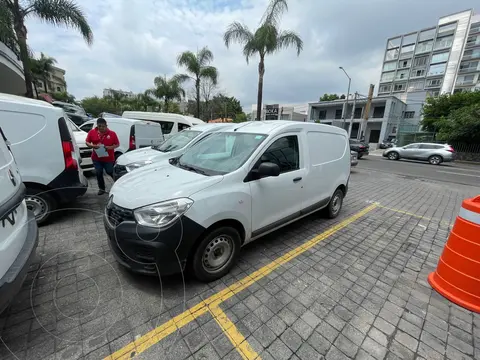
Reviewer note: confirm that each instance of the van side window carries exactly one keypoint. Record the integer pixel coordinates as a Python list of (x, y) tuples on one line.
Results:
[(86, 127), (167, 127), (284, 153), (182, 126)]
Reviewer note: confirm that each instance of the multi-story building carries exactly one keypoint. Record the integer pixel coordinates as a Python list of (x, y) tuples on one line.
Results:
[(294, 112), (12, 80), (111, 92), (436, 60), (55, 82)]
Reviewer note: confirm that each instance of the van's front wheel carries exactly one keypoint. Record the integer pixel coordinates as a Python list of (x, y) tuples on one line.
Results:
[(335, 204), (41, 203), (216, 254)]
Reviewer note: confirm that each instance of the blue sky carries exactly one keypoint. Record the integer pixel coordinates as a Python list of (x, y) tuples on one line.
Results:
[(138, 40)]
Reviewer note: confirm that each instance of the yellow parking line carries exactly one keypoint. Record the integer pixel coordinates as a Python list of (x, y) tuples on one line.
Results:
[(154, 336), (413, 214), (236, 338)]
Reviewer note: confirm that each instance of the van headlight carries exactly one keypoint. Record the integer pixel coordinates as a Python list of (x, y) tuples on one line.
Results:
[(137, 164), (162, 214)]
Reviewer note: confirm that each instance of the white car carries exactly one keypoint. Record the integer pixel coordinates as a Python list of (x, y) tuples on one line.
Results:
[(175, 146), (18, 228), (225, 191)]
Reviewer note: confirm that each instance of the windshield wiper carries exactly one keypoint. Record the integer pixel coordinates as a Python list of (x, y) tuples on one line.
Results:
[(191, 168), (157, 147)]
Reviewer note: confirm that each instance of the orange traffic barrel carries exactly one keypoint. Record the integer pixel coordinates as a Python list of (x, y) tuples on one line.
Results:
[(458, 271)]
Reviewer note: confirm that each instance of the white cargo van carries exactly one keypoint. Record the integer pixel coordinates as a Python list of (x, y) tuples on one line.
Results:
[(171, 123), (236, 185), (18, 228), (46, 153), (175, 146), (132, 134), (86, 163)]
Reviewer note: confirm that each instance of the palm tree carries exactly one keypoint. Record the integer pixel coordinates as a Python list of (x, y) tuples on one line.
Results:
[(265, 40), (167, 89), (41, 68), (198, 68), (56, 12)]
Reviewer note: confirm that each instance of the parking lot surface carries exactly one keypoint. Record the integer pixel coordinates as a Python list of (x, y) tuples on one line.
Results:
[(350, 288)]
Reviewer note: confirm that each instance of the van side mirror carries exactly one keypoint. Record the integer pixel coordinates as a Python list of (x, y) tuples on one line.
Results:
[(267, 169)]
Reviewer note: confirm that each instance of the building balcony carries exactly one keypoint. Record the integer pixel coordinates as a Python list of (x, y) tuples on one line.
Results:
[(11, 70), (465, 83)]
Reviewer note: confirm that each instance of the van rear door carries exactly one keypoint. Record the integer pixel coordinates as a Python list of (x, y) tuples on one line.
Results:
[(148, 134)]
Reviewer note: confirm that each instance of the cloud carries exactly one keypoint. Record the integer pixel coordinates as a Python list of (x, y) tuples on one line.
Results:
[(136, 41)]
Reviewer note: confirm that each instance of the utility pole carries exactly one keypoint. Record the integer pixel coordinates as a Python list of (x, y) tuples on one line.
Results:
[(366, 112), (344, 112), (353, 114)]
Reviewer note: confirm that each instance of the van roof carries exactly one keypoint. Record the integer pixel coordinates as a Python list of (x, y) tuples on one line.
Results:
[(118, 119), (212, 126), (146, 115), (279, 126), (21, 100)]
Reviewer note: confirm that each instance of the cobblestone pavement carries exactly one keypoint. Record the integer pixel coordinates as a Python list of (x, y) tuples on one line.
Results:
[(358, 291)]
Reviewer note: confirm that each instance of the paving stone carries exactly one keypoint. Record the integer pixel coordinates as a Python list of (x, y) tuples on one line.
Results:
[(279, 350), (409, 328), (384, 326), (353, 334), (435, 331), (346, 346), (302, 329), (311, 319), (335, 354), (291, 339), (378, 336), (286, 315), (264, 335), (196, 340), (373, 348), (319, 343), (401, 351), (460, 345), (277, 325), (306, 352), (222, 345)]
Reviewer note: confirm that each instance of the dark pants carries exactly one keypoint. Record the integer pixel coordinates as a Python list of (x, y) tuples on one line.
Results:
[(99, 167)]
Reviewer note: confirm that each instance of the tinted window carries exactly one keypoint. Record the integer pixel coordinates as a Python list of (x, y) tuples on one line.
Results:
[(413, 146), (438, 147), (427, 146), (354, 142), (284, 153), (87, 127), (167, 127), (182, 126)]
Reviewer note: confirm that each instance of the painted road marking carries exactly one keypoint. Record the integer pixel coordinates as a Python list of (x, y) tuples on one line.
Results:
[(456, 173), (154, 336), (235, 337)]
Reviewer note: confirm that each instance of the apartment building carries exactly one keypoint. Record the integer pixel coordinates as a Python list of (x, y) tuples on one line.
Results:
[(440, 59), (293, 112), (55, 82), (111, 92), (12, 80)]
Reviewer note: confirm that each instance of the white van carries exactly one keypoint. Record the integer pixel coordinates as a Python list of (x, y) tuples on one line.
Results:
[(132, 134), (80, 136), (46, 153), (233, 187), (18, 228), (175, 146), (171, 123)]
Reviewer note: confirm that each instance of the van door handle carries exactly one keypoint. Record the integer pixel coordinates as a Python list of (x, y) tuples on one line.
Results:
[(297, 179)]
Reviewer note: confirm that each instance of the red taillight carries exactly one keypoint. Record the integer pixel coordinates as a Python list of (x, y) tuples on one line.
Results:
[(131, 146), (70, 162), (450, 149)]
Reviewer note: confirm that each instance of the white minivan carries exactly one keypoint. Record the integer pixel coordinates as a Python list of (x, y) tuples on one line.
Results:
[(175, 146), (132, 134), (171, 123), (46, 153), (233, 187), (18, 228)]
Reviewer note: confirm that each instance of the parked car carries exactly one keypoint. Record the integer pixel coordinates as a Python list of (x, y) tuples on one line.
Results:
[(171, 123), (387, 144), (175, 146), (132, 134), (18, 228), (353, 158), (76, 113), (196, 210), (46, 153), (359, 147), (435, 154)]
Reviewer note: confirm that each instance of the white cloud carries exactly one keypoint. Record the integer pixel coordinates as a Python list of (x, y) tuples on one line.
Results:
[(138, 40)]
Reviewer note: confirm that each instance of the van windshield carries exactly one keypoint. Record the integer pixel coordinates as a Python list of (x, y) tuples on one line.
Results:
[(220, 153), (177, 141)]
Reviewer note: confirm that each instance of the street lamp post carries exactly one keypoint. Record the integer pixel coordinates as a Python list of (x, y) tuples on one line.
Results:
[(348, 94)]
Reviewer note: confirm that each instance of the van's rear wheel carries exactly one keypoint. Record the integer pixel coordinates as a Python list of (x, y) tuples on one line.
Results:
[(335, 204), (41, 203), (216, 254)]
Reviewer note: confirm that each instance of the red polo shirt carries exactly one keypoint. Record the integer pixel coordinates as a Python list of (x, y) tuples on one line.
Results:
[(108, 138)]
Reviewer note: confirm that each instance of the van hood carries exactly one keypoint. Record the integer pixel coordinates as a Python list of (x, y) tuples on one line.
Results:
[(158, 182), (142, 155)]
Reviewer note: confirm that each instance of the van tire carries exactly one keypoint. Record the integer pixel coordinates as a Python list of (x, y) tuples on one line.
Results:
[(225, 239), (335, 205), (41, 203)]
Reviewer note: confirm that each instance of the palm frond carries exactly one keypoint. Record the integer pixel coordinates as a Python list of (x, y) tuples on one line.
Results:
[(237, 32), (266, 37), (189, 61), (7, 33), (181, 78), (274, 12), (160, 81), (62, 12), (209, 72), (204, 56), (250, 49), (287, 39)]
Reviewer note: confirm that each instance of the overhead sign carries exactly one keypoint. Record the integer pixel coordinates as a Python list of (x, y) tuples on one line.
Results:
[(271, 112)]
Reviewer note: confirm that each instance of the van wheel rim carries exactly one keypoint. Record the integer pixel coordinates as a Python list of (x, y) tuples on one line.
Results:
[(217, 254), (37, 205), (336, 204)]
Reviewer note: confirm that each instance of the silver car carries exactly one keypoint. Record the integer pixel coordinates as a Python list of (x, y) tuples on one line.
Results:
[(435, 154)]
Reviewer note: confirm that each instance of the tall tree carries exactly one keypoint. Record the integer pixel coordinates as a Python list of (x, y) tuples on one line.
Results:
[(208, 89), (265, 40), (13, 14), (198, 69), (41, 68), (167, 89)]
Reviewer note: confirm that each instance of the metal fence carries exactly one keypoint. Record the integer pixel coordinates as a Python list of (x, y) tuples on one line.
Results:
[(466, 148)]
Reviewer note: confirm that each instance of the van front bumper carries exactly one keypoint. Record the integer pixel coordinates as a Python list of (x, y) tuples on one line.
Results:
[(146, 250), (12, 281)]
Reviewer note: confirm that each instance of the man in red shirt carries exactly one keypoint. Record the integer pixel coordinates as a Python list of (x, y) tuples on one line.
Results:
[(99, 137)]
